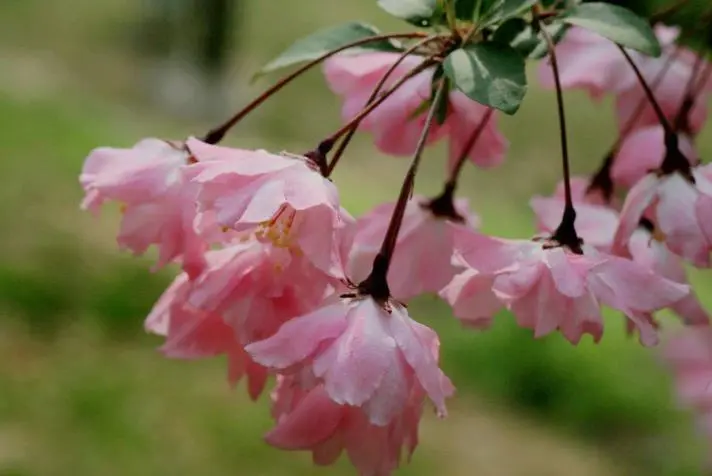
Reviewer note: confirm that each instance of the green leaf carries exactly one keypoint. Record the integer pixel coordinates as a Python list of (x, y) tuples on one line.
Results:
[(616, 23), (442, 109), (557, 31), (323, 41), (465, 9), (519, 34), (511, 8), (508, 32), (423, 13), (489, 73)]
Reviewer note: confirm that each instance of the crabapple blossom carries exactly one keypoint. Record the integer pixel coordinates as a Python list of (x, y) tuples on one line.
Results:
[(595, 224), (283, 196), (689, 356), (308, 419), (590, 62), (648, 250), (644, 150), (281, 279), (549, 287), (191, 333), (424, 258), (681, 208), (367, 354), (157, 202), (398, 122)]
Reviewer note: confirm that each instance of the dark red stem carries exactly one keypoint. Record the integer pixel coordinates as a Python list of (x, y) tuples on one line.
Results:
[(376, 285), (347, 140), (471, 142), (565, 234), (649, 93), (374, 104), (688, 100), (217, 134)]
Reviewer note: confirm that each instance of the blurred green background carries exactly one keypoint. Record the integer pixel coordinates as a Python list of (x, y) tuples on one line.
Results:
[(83, 391)]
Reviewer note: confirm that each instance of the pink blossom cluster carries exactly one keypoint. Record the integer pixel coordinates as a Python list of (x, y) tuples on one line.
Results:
[(279, 277)]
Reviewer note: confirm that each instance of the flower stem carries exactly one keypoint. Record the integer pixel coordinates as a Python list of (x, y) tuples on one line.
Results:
[(640, 107), (565, 234), (376, 284), (602, 180), (562, 118), (649, 93), (471, 142), (217, 134), (381, 83), (681, 122), (374, 104)]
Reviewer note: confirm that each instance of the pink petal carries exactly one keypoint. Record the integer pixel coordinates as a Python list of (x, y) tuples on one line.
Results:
[(639, 198), (471, 297), (570, 280), (486, 254), (414, 340), (641, 152), (677, 219), (299, 338), (312, 422), (627, 286), (355, 364)]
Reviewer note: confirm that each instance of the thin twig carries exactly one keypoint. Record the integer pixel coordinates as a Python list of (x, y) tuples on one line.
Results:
[(347, 140), (649, 93), (376, 284), (217, 134)]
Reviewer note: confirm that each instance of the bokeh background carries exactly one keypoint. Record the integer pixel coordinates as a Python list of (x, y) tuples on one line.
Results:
[(83, 391)]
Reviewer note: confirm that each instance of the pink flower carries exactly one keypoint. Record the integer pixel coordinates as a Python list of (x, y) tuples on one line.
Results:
[(157, 203), (549, 288), (669, 92), (681, 210), (398, 122), (366, 356), (308, 419), (590, 62), (646, 250), (472, 299), (282, 197), (642, 151), (689, 355), (194, 334), (423, 235), (257, 287), (595, 224)]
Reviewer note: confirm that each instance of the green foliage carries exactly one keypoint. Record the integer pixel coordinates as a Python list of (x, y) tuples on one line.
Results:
[(520, 35), (323, 41), (422, 13), (176, 417), (506, 9), (616, 23), (489, 73)]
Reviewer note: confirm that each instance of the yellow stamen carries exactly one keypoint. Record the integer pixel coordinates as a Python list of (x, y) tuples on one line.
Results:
[(658, 235)]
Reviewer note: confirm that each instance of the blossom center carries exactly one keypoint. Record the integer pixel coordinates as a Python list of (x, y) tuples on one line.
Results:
[(278, 230)]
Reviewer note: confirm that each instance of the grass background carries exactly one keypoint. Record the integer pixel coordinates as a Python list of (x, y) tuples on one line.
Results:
[(82, 390)]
